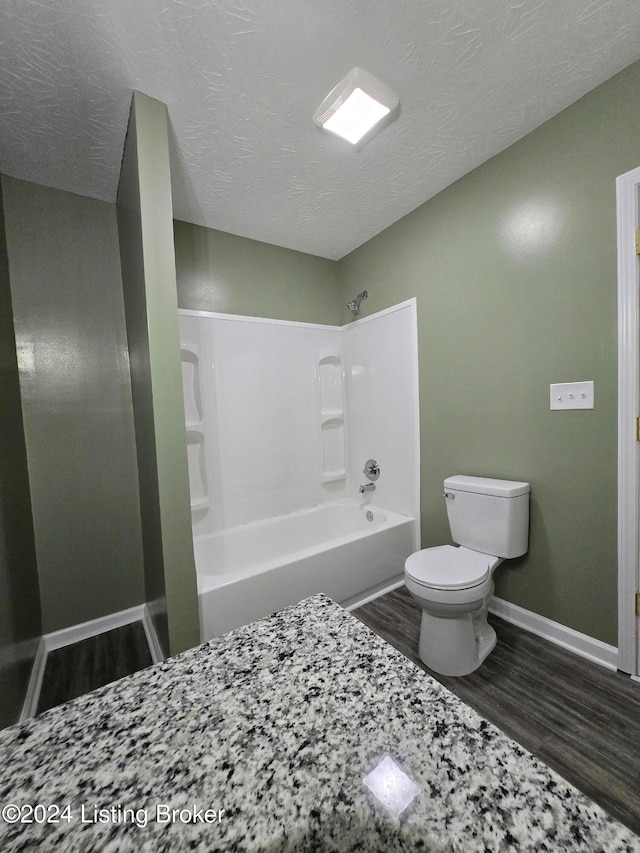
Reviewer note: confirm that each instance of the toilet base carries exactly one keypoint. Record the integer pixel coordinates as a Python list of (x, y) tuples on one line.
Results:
[(455, 646), (486, 640)]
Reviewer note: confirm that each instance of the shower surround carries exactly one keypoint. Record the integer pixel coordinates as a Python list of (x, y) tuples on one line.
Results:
[(281, 417)]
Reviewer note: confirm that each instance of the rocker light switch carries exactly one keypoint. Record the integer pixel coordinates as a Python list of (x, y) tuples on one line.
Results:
[(571, 395)]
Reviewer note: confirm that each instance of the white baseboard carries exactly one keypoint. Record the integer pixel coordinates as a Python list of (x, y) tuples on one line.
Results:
[(83, 631), (30, 705), (157, 655), (580, 644), (373, 593), (77, 633), (556, 633)]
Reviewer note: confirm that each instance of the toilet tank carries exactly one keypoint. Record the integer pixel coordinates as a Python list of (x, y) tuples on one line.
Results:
[(487, 515)]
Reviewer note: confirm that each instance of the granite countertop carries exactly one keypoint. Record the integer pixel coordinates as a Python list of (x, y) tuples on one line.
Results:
[(277, 724)]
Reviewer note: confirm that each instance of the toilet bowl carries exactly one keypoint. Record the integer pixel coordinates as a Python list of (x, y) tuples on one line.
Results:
[(453, 585)]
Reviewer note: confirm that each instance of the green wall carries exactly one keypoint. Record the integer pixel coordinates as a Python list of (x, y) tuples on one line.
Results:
[(76, 402), (234, 275), (20, 622), (149, 281), (514, 269)]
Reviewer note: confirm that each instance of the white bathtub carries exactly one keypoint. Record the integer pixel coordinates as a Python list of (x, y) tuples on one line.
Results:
[(344, 549)]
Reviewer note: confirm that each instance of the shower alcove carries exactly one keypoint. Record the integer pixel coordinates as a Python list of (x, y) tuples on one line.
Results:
[(280, 419)]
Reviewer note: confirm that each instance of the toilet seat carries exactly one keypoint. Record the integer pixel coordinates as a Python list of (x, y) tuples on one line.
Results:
[(446, 567)]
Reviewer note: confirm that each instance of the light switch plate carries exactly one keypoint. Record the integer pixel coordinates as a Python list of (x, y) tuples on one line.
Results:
[(571, 395)]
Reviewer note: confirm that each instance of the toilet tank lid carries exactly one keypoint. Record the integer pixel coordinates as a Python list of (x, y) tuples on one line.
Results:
[(487, 486)]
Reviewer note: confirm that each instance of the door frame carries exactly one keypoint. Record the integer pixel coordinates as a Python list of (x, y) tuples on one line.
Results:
[(627, 194)]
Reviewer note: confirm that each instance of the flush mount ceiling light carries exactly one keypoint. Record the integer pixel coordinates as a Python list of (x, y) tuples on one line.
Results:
[(357, 104)]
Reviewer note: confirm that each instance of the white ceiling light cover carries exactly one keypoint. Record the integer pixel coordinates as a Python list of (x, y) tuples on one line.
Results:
[(355, 105)]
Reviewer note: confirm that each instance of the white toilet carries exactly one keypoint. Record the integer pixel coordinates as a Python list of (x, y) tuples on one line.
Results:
[(489, 519)]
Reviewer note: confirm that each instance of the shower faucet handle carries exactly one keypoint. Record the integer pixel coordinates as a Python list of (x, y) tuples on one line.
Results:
[(371, 469)]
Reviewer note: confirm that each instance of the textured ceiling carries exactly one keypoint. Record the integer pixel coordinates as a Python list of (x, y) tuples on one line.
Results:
[(241, 81)]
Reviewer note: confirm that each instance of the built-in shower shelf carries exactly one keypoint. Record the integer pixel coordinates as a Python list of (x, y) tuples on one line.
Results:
[(330, 376), (334, 476), (333, 457), (195, 426), (332, 418), (197, 468), (191, 384)]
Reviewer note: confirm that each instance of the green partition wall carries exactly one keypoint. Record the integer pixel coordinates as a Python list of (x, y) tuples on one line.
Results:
[(149, 283), (20, 622), (76, 401)]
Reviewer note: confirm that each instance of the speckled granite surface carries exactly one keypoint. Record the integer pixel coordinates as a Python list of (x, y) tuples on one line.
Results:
[(278, 723)]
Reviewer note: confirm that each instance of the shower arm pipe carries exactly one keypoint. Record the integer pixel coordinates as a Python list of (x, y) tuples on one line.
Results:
[(354, 306)]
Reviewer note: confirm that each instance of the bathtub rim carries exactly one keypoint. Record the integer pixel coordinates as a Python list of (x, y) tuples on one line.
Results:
[(209, 581)]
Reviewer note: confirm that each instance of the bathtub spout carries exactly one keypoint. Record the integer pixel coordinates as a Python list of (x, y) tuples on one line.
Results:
[(370, 487)]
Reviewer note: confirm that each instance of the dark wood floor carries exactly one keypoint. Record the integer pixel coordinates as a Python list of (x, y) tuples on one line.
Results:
[(578, 717), (84, 666)]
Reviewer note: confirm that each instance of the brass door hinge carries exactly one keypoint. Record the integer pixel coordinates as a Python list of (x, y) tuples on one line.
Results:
[(637, 429), (637, 242)]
